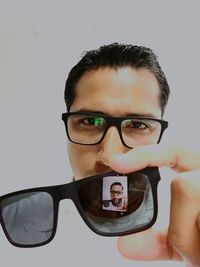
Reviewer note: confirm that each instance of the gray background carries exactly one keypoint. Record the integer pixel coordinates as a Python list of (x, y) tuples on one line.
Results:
[(40, 41)]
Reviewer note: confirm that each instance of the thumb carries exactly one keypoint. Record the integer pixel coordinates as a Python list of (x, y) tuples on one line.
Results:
[(198, 222), (146, 246)]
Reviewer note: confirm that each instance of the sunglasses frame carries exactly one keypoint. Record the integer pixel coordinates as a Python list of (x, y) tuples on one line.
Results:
[(70, 191)]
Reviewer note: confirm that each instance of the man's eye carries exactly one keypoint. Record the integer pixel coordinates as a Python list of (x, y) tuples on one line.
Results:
[(135, 124), (139, 125), (92, 121)]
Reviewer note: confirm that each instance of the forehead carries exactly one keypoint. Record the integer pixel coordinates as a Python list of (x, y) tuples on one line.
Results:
[(117, 91), (116, 187)]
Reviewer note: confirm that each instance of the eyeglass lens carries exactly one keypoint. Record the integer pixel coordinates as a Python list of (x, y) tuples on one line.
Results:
[(109, 214), (28, 217)]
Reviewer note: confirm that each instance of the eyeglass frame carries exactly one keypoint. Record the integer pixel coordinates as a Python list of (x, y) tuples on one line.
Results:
[(70, 191), (112, 121)]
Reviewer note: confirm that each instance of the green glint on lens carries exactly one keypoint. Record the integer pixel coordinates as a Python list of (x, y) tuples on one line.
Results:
[(98, 121)]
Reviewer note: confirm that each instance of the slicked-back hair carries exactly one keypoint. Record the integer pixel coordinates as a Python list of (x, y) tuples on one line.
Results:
[(115, 56), (116, 183)]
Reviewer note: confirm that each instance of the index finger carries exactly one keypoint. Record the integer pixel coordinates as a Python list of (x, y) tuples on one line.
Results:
[(179, 159)]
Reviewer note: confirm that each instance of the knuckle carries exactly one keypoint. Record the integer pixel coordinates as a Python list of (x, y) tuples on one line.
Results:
[(186, 186), (179, 186), (177, 241), (189, 250)]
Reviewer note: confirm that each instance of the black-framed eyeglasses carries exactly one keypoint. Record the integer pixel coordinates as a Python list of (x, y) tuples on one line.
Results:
[(86, 128), (29, 217)]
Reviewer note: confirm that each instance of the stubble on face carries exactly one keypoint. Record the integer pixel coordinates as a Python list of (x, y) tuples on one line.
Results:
[(115, 92)]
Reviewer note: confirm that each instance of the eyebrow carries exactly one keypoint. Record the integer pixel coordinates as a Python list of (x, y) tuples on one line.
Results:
[(138, 115)]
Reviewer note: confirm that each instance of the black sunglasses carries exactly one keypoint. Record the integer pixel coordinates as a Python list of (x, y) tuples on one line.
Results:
[(29, 217)]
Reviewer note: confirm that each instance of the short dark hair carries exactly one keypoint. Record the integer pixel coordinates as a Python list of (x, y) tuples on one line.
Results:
[(116, 183), (115, 56)]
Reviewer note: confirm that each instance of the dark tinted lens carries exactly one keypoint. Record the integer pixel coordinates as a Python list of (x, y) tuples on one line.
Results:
[(28, 217), (116, 204)]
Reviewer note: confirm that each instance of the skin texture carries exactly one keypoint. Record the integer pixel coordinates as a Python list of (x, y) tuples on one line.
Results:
[(126, 91), (116, 93), (116, 198), (181, 241)]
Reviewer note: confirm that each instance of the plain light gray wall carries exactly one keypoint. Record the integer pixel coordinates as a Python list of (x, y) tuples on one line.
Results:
[(40, 41)]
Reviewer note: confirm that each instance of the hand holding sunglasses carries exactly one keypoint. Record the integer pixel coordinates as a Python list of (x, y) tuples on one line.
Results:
[(111, 204)]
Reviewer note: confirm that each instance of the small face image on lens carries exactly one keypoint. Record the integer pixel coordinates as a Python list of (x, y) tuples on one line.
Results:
[(114, 193)]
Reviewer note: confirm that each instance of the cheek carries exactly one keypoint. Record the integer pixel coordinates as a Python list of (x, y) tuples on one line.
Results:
[(82, 159)]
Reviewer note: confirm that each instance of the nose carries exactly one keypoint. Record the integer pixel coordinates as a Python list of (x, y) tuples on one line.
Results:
[(111, 145)]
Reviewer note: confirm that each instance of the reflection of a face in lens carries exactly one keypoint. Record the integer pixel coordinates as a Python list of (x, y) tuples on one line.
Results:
[(116, 193)]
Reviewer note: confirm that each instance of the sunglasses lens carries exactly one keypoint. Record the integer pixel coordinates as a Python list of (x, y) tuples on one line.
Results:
[(117, 204), (28, 218)]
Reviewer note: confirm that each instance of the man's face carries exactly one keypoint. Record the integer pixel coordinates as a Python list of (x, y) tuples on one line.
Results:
[(115, 92), (116, 194)]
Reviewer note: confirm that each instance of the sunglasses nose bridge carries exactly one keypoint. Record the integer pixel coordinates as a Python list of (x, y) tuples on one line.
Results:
[(65, 191)]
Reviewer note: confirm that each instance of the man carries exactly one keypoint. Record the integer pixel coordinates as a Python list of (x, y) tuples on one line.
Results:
[(118, 201), (119, 81)]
